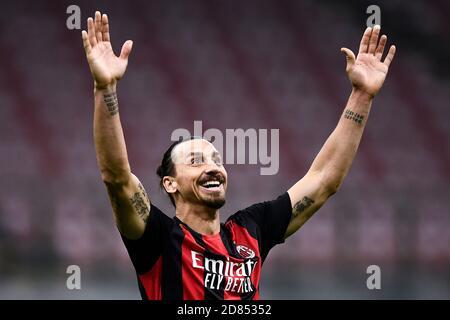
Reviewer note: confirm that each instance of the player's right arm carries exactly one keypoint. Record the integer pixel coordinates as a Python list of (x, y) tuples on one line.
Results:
[(128, 198)]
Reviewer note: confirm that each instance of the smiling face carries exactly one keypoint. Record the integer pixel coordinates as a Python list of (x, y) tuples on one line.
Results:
[(199, 177)]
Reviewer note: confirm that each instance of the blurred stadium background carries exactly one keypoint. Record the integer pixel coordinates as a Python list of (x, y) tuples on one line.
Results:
[(231, 64)]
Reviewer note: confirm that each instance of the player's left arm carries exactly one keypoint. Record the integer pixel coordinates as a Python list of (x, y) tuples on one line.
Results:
[(367, 73)]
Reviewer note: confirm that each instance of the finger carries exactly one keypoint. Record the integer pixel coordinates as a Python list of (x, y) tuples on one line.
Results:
[(91, 32), (374, 39), (86, 44), (98, 26), (105, 28), (126, 49), (350, 56), (380, 48), (364, 45), (390, 56)]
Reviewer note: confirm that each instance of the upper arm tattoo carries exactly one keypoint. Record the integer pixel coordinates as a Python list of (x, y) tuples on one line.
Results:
[(111, 103), (301, 206), (140, 202)]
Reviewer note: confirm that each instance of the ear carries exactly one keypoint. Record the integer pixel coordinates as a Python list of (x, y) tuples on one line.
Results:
[(170, 185)]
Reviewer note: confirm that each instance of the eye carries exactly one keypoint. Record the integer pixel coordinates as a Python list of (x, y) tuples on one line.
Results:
[(197, 159), (218, 160)]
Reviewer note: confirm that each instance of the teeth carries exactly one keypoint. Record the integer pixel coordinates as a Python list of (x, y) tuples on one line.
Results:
[(211, 184)]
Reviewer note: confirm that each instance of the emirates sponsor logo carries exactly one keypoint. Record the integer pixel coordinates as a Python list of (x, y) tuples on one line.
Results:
[(232, 276), (245, 252)]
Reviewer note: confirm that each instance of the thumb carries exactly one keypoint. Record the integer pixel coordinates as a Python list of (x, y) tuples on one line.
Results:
[(126, 49), (350, 56)]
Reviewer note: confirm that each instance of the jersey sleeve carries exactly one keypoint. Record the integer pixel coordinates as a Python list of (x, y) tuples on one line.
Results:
[(145, 251), (268, 220)]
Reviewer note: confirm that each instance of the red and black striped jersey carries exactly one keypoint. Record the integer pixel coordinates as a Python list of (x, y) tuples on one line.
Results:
[(174, 262)]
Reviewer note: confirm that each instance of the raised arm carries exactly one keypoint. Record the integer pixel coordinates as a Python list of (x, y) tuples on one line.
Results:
[(128, 198), (367, 74)]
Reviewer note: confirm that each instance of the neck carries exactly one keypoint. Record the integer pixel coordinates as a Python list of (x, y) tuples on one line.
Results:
[(201, 219)]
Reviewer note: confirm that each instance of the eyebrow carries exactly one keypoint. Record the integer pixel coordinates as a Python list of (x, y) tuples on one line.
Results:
[(194, 154)]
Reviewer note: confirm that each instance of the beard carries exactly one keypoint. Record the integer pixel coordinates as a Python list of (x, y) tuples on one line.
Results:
[(216, 202)]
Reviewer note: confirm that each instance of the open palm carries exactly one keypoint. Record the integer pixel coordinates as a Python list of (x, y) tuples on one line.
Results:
[(367, 72), (106, 67)]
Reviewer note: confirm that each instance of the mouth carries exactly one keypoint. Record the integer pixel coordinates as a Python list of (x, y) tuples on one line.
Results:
[(212, 185)]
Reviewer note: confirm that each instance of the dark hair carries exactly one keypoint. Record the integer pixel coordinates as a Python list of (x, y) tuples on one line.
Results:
[(167, 167)]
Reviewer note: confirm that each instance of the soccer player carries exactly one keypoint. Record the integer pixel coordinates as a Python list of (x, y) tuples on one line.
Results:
[(193, 255)]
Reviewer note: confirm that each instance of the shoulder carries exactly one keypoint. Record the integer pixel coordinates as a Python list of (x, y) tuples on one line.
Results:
[(157, 225), (256, 211), (265, 219), (159, 219)]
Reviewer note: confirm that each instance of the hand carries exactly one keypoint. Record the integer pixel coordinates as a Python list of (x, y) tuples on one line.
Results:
[(106, 67), (367, 72)]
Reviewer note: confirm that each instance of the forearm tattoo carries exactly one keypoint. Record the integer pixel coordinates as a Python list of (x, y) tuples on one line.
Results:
[(112, 104), (139, 201), (350, 115), (301, 206)]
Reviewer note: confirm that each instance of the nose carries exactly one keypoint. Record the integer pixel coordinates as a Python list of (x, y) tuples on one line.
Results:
[(212, 170)]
